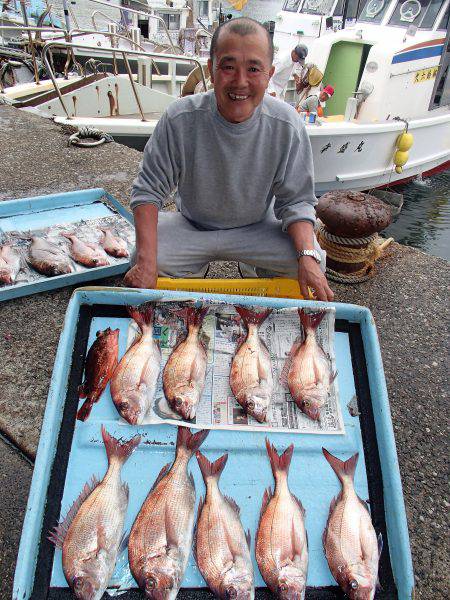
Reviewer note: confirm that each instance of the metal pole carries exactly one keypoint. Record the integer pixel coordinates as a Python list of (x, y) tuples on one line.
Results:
[(66, 15), (130, 75), (30, 39)]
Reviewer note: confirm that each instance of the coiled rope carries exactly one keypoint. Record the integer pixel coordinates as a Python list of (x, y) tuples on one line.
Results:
[(98, 137), (366, 250)]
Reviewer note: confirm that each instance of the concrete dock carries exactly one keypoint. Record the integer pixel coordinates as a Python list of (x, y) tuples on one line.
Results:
[(408, 298)]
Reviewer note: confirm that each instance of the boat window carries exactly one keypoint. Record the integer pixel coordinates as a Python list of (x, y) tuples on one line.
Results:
[(171, 20), (339, 8), (292, 5), (317, 7), (373, 11), (352, 9), (203, 7), (444, 21), (421, 13)]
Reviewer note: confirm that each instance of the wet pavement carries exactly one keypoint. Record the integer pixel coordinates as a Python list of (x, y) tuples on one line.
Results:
[(408, 298)]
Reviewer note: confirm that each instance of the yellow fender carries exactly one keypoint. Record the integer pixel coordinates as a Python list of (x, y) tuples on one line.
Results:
[(403, 144)]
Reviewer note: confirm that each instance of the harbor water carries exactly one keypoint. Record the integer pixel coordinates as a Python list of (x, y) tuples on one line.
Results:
[(424, 221)]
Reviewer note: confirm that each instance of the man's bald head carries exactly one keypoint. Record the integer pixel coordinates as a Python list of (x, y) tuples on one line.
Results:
[(241, 26)]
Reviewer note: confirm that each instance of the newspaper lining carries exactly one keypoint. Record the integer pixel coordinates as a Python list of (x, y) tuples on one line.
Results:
[(218, 409)]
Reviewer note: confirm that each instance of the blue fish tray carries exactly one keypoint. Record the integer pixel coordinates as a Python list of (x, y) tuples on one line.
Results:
[(70, 452), (41, 212)]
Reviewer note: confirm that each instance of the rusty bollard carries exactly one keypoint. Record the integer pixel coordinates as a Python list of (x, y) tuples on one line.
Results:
[(350, 223)]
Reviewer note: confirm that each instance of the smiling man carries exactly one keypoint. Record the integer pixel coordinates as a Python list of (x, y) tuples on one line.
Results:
[(241, 164)]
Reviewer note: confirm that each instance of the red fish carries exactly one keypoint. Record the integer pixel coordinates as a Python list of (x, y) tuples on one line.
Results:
[(251, 378), (114, 245), (307, 369), (101, 362), (90, 535), (349, 540)]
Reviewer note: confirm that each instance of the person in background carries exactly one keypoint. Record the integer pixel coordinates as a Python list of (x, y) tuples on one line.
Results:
[(287, 65), (314, 103)]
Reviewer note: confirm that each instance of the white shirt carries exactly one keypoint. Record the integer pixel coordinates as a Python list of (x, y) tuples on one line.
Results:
[(284, 69)]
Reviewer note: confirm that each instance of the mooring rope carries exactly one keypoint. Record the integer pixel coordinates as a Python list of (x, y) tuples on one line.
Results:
[(99, 137), (344, 250)]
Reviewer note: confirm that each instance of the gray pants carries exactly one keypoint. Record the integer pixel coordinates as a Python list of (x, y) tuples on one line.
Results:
[(185, 251)]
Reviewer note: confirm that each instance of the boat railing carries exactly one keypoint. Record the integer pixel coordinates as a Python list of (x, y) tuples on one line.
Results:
[(125, 53), (29, 30), (68, 36), (147, 14), (113, 36), (106, 17)]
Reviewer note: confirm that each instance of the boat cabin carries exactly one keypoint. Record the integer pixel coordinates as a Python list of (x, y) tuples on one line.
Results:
[(393, 62)]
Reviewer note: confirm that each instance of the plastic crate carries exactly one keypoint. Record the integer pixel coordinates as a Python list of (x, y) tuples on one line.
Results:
[(275, 288)]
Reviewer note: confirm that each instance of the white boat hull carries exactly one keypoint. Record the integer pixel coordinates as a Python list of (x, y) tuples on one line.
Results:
[(346, 155)]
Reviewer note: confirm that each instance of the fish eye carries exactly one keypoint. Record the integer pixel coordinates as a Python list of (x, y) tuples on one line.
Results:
[(354, 584), (231, 592), (178, 402), (283, 587), (123, 406), (306, 403), (251, 405), (150, 583)]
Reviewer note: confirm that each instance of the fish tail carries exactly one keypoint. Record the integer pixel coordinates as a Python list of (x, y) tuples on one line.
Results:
[(211, 470), (118, 450), (195, 316), (190, 441), (251, 316), (279, 464), (142, 314), (310, 321), (344, 470), (85, 410)]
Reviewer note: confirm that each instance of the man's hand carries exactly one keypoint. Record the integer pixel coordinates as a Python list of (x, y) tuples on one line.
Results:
[(141, 276), (310, 275)]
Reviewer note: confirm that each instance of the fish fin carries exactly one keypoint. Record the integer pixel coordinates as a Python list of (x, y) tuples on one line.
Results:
[(290, 357), (310, 321), (58, 534), (233, 504), (241, 339), (279, 463), (142, 314), (195, 316), (300, 505), (251, 316), (85, 410), (161, 475), (82, 393), (201, 503), (102, 542), (115, 449), (380, 544), (126, 490), (191, 479), (209, 469), (123, 542), (267, 497), (341, 468), (333, 377), (248, 537), (190, 441)]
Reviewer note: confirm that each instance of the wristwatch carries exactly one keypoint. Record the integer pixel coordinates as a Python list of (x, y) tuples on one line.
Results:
[(313, 253)]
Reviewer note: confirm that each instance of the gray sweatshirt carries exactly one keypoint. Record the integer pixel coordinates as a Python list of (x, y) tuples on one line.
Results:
[(228, 174)]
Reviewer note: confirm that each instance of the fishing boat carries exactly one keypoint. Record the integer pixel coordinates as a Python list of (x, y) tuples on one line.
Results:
[(113, 103), (391, 76)]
